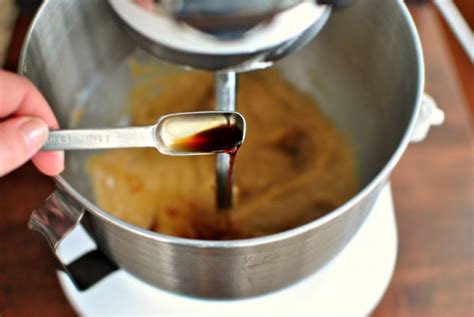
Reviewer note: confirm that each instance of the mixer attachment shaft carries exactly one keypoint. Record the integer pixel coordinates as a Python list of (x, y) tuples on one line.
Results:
[(225, 85)]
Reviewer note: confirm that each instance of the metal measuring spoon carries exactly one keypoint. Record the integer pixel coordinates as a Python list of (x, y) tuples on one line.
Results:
[(186, 133)]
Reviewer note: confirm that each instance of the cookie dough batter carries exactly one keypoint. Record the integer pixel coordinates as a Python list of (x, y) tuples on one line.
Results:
[(293, 167)]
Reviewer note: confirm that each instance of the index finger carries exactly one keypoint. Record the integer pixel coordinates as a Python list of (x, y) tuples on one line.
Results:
[(18, 97)]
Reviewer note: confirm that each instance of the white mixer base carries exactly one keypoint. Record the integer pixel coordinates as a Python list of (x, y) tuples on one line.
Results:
[(352, 284)]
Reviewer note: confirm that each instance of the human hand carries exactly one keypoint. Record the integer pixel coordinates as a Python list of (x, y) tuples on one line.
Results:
[(25, 117)]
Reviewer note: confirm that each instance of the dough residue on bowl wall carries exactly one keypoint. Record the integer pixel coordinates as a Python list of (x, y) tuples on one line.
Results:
[(293, 167)]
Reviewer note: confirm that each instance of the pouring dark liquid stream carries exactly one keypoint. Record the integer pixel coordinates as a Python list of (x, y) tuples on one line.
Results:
[(225, 138)]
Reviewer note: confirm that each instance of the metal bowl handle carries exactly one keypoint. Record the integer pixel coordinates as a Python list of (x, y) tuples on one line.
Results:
[(52, 222), (429, 115)]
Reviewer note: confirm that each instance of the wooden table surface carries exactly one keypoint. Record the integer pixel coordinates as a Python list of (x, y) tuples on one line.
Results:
[(433, 189)]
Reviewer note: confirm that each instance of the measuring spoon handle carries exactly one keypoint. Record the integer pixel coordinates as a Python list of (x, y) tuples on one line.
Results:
[(89, 139)]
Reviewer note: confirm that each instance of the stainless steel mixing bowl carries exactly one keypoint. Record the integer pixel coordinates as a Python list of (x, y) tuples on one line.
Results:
[(365, 69)]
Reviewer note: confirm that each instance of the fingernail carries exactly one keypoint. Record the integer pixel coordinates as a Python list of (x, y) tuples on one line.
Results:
[(34, 132)]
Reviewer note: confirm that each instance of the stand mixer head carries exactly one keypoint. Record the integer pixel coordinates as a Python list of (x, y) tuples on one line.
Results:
[(223, 35)]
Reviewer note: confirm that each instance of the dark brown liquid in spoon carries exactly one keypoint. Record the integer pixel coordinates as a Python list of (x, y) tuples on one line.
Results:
[(225, 138)]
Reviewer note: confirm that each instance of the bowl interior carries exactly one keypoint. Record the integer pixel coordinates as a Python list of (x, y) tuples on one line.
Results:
[(362, 69)]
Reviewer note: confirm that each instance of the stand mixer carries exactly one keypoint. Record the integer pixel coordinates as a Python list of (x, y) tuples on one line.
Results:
[(365, 69), (226, 37)]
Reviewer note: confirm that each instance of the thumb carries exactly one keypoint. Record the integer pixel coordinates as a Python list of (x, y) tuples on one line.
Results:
[(20, 139)]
